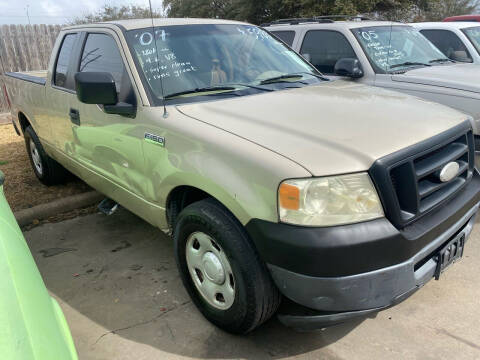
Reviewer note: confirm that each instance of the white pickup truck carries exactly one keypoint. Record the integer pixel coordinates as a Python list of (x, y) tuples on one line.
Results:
[(389, 55), (459, 41)]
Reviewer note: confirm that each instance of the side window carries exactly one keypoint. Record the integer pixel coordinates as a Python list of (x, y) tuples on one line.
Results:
[(449, 44), (286, 36), (101, 54), (324, 48), (63, 61)]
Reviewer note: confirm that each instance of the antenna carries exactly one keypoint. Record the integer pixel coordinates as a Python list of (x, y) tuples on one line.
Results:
[(28, 15), (165, 113), (389, 47)]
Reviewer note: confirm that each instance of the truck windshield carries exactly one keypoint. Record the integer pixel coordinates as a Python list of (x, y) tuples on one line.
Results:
[(397, 48), (224, 59), (473, 34)]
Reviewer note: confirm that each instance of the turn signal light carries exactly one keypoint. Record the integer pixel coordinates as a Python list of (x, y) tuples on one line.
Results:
[(289, 196)]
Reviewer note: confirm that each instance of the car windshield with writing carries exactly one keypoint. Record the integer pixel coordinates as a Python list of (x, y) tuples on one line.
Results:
[(397, 48), (473, 34), (190, 62)]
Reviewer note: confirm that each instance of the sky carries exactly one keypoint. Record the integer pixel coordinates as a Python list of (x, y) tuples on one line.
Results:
[(56, 11)]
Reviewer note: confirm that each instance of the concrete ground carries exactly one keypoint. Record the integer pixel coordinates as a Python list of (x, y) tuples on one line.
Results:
[(116, 280)]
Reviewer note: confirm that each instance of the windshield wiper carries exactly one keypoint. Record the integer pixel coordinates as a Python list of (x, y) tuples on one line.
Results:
[(232, 88), (200, 90), (409, 63), (252, 87), (318, 76), (281, 78), (440, 60)]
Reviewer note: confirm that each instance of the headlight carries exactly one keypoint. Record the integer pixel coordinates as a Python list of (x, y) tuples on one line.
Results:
[(327, 201)]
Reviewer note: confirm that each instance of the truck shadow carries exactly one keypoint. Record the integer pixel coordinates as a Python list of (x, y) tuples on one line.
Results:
[(120, 273)]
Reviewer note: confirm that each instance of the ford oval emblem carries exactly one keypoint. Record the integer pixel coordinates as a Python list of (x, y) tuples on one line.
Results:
[(449, 171)]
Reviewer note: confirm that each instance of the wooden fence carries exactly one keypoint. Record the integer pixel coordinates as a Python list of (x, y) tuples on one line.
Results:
[(25, 48)]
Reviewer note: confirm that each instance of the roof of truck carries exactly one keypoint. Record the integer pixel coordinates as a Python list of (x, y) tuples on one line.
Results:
[(344, 24), (144, 23)]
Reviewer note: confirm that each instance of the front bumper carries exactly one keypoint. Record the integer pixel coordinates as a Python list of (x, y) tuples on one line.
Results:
[(363, 293), (342, 272), (373, 289)]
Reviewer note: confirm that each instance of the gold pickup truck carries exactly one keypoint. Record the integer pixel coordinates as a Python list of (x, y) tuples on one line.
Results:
[(333, 198)]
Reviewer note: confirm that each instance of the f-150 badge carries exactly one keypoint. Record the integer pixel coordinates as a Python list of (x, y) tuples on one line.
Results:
[(155, 139)]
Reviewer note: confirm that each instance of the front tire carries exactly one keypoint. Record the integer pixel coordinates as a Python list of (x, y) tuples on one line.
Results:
[(47, 170), (221, 269)]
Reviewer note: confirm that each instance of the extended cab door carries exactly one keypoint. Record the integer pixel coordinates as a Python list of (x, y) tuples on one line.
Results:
[(324, 47), (60, 94), (448, 43), (109, 145)]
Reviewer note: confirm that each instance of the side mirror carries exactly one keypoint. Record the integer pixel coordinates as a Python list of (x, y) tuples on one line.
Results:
[(96, 88), (99, 88), (348, 67)]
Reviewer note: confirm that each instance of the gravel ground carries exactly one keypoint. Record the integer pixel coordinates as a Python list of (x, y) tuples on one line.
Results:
[(22, 189)]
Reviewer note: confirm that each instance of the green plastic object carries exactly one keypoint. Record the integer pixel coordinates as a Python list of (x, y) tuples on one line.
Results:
[(32, 325)]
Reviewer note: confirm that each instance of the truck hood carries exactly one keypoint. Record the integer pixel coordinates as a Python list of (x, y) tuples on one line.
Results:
[(456, 76), (330, 128)]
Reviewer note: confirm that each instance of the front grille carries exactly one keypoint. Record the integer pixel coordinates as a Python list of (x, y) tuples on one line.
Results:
[(408, 181)]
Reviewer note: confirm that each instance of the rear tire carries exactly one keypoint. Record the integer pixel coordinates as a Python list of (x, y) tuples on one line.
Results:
[(224, 259), (47, 170)]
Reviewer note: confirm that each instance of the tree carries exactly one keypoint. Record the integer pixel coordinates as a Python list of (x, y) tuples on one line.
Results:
[(109, 13), (436, 10), (260, 11), (200, 8)]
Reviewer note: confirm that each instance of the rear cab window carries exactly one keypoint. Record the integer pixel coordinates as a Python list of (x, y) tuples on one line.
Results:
[(448, 43), (286, 36), (324, 48), (62, 65)]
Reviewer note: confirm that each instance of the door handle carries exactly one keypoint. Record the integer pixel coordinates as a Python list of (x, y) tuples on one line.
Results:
[(74, 116)]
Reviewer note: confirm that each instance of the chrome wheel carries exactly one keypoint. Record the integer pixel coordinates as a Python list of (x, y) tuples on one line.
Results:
[(36, 159), (210, 270)]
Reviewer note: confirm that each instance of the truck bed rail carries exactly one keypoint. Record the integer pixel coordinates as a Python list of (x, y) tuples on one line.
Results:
[(26, 77)]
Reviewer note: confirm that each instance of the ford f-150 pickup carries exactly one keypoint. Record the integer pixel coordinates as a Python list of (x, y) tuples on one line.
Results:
[(336, 198)]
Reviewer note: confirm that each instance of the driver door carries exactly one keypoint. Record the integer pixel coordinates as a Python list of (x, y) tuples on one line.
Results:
[(109, 145), (323, 48)]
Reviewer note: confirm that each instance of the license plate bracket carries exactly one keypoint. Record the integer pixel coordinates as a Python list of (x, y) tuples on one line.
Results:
[(449, 254)]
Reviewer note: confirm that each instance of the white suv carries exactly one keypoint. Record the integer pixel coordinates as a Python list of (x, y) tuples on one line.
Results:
[(385, 54), (460, 41)]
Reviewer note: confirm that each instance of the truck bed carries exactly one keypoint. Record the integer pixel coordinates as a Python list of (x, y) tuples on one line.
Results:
[(26, 92), (37, 76)]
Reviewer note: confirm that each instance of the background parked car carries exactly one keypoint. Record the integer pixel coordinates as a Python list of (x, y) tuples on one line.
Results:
[(459, 41), (32, 323), (358, 50)]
